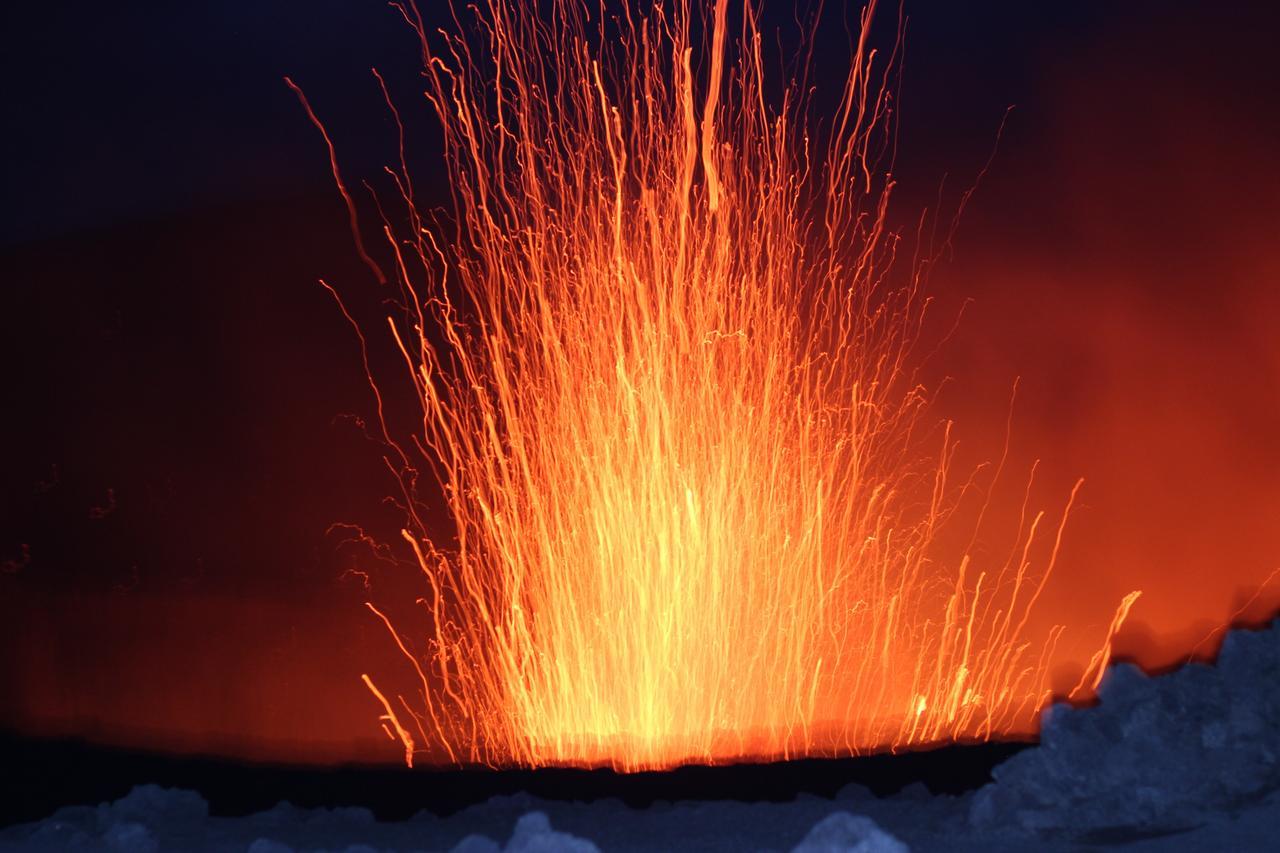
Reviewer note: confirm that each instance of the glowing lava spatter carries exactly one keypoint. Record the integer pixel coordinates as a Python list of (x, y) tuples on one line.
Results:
[(666, 392)]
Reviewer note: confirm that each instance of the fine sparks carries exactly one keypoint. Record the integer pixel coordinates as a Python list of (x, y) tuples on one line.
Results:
[(663, 347)]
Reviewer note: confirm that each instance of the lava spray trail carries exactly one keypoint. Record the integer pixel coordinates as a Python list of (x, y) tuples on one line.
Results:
[(666, 388)]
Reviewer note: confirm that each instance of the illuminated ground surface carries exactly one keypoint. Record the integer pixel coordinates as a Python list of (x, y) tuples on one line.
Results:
[(1186, 761)]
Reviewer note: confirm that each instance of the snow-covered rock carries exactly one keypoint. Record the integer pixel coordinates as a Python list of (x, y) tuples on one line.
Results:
[(1154, 755), (152, 803), (532, 834), (846, 833)]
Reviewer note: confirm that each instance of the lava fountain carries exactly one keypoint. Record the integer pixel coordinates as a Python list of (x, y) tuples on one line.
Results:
[(665, 362)]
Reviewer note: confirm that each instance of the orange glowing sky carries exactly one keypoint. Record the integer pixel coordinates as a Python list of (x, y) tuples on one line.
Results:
[(1118, 258)]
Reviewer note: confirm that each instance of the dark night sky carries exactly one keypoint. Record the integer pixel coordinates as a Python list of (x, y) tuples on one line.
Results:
[(172, 374), (124, 112)]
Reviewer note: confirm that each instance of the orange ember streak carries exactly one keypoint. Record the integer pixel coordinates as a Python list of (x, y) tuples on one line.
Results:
[(1240, 611), (390, 717), (672, 414), (1098, 664), (337, 178)]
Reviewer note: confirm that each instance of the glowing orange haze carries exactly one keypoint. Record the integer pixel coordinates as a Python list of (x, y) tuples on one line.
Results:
[(668, 388), (1121, 255)]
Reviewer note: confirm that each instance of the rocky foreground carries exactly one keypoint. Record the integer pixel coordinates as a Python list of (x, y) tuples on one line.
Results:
[(1185, 761)]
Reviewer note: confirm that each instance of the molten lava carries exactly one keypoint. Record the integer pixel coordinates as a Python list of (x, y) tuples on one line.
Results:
[(664, 357)]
